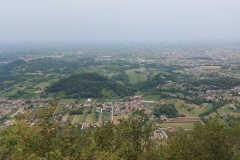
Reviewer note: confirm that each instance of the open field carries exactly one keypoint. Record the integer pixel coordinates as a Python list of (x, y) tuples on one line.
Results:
[(59, 109), (214, 114), (70, 100), (106, 116), (226, 110), (43, 84), (85, 69), (81, 100), (27, 96), (187, 125), (122, 116), (31, 90), (38, 91), (196, 109), (156, 71), (136, 77), (9, 93), (185, 119), (212, 67), (77, 119), (9, 114), (90, 117), (149, 97)]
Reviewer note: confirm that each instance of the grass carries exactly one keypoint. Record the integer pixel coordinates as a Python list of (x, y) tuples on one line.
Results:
[(122, 116), (9, 114), (189, 125), (85, 69), (136, 77), (195, 112), (10, 93), (59, 109), (214, 114), (226, 110), (77, 119), (70, 100), (212, 67), (82, 100), (43, 84), (156, 71), (106, 116), (150, 97), (90, 117), (32, 90), (27, 96), (50, 95)]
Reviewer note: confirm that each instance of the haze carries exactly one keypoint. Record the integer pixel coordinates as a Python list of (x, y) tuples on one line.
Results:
[(119, 20)]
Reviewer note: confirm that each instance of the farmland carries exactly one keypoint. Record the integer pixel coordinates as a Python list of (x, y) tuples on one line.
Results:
[(136, 75), (187, 125)]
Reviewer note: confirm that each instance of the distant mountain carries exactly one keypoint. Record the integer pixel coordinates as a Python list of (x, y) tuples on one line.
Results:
[(90, 85)]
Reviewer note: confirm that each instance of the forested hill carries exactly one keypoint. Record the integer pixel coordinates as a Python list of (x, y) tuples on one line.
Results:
[(90, 85)]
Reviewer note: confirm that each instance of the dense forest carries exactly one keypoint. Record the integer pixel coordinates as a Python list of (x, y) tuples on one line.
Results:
[(90, 85), (132, 140), (166, 109)]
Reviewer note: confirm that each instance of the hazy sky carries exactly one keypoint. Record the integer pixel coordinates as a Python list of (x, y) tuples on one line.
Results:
[(119, 20)]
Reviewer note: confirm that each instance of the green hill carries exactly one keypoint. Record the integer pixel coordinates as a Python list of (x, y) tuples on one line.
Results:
[(90, 85)]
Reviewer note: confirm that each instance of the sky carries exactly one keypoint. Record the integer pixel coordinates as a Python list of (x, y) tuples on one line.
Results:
[(119, 20)]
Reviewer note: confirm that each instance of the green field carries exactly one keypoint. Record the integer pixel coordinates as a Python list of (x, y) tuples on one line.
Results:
[(156, 71), (26, 96), (189, 125), (9, 93), (226, 110), (11, 113), (195, 112), (106, 116), (149, 97), (122, 116), (90, 117), (136, 77), (85, 69), (77, 119), (43, 84), (59, 109), (32, 90), (70, 100), (82, 100)]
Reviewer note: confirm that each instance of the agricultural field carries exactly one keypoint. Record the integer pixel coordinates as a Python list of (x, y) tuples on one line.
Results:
[(214, 114), (60, 109), (194, 112), (81, 100), (77, 119), (149, 97), (90, 117), (136, 77), (106, 116), (155, 71), (212, 67), (226, 110), (187, 125), (43, 84), (70, 100), (9, 114), (122, 116), (8, 93), (86, 69)]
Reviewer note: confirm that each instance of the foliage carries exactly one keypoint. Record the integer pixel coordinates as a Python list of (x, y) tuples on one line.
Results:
[(131, 139), (166, 109), (216, 106), (89, 85)]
